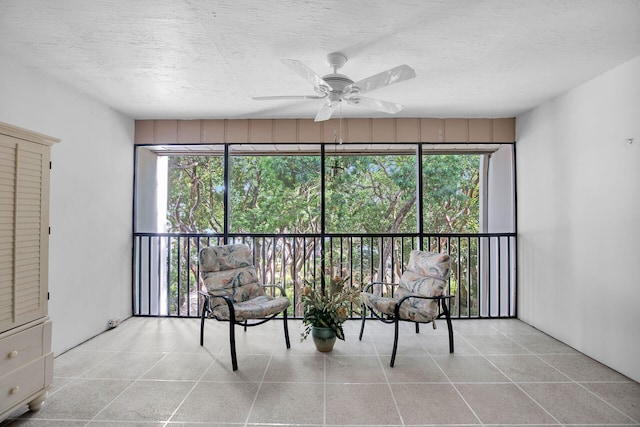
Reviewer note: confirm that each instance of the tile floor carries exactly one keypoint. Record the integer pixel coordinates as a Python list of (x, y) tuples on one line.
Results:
[(152, 372)]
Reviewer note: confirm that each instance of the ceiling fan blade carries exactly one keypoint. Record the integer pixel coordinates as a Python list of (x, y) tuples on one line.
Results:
[(325, 112), (271, 98), (307, 73), (376, 104), (385, 78)]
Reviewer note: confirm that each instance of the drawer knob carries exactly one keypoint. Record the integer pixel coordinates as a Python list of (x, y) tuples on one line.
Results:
[(13, 354), (14, 390)]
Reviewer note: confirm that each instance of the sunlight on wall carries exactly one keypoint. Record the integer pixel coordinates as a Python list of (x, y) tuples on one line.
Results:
[(162, 173)]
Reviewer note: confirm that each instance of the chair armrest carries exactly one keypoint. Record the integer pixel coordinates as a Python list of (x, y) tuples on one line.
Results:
[(282, 291), (371, 286), (207, 310), (207, 297)]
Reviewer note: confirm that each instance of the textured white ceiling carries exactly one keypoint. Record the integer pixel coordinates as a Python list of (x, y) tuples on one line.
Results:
[(206, 59)]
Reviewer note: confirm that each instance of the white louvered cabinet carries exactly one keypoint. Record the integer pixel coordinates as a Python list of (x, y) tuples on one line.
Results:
[(26, 360)]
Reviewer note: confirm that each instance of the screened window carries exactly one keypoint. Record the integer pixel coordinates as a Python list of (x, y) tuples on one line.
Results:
[(362, 189)]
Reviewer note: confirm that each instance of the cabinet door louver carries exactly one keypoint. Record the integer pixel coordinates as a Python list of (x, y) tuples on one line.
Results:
[(24, 199), (7, 222)]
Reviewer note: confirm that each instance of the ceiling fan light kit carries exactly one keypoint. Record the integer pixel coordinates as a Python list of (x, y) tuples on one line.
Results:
[(335, 88)]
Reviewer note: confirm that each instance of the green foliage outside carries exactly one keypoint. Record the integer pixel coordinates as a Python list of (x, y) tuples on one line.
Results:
[(275, 194), (450, 194), (364, 194), (371, 194)]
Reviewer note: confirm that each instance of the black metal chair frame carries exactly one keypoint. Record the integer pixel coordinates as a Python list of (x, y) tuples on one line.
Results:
[(444, 312), (207, 313)]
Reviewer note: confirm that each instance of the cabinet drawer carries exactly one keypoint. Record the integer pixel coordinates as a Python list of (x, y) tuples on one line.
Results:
[(20, 348), (22, 383)]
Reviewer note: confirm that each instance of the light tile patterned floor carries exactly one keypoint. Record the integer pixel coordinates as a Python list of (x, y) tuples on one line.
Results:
[(153, 372)]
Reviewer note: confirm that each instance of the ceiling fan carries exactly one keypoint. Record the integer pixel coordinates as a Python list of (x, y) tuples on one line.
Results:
[(335, 88)]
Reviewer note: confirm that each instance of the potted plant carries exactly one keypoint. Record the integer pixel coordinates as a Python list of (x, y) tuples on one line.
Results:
[(326, 307)]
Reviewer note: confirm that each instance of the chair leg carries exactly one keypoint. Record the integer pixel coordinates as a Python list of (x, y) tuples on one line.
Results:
[(396, 324), (205, 311), (232, 336), (202, 329), (417, 328), (364, 317), (232, 343), (286, 328), (447, 316)]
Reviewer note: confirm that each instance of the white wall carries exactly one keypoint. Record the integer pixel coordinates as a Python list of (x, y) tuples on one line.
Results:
[(91, 198), (578, 183)]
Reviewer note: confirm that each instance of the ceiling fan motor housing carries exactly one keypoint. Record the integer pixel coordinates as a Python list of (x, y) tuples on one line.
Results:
[(338, 82)]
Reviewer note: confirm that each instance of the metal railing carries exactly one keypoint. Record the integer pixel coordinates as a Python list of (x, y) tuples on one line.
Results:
[(483, 270)]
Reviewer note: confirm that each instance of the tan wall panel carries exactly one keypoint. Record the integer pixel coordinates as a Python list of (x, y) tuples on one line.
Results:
[(309, 131), (504, 130), (189, 131), (383, 130), (407, 130), (359, 130), (285, 130), (166, 132), (212, 131), (237, 130), (260, 130), (431, 130), (456, 130), (331, 130), (481, 130), (144, 133)]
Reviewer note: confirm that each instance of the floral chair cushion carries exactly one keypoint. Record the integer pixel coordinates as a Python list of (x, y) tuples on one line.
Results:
[(427, 274), (228, 271), (225, 257)]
